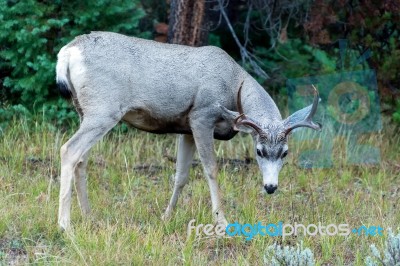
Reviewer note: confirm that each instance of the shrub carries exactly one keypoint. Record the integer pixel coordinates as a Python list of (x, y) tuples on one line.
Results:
[(10, 113), (390, 256), (33, 32), (289, 256)]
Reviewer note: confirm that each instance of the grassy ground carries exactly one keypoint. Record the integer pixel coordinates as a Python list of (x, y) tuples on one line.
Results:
[(130, 182)]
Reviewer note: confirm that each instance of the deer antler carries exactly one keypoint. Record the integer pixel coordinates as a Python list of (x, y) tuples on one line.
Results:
[(307, 122), (244, 120)]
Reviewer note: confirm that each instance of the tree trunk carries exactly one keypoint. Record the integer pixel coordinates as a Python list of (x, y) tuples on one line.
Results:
[(188, 22)]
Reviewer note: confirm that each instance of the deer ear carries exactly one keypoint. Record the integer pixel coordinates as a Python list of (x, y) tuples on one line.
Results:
[(298, 116), (230, 116)]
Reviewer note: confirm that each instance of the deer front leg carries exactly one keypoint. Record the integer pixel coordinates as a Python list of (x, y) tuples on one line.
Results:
[(203, 133), (186, 148)]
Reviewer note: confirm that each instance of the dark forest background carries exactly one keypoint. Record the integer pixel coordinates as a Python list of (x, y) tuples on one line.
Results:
[(273, 39)]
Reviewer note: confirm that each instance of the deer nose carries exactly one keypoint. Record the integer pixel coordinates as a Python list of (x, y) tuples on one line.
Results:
[(270, 188)]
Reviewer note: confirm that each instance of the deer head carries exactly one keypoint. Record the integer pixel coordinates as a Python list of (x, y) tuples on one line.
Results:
[(270, 140)]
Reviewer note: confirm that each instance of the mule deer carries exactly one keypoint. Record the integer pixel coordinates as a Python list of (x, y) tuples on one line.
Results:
[(200, 93)]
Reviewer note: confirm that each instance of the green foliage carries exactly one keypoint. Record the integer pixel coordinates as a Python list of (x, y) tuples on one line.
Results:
[(396, 114), (7, 114), (56, 114), (368, 26), (214, 39), (33, 32), (293, 59)]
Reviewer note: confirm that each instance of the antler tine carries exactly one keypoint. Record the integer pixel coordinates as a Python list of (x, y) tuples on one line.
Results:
[(315, 126), (244, 120), (239, 104), (307, 122), (252, 124), (315, 104), (239, 99)]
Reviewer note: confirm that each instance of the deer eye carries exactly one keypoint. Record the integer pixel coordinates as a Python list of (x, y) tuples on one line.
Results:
[(259, 153), (284, 154)]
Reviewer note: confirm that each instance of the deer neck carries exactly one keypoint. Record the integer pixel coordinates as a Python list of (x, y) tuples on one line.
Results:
[(257, 104)]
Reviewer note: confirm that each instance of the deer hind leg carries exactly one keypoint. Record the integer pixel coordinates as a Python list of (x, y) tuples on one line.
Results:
[(80, 172), (203, 133), (81, 184), (73, 154), (186, 149)]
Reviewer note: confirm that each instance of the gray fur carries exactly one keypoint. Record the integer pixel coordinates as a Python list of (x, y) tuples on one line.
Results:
[(160, 88)]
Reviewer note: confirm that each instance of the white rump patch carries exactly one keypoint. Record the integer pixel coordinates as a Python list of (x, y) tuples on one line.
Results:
[(76, 67)]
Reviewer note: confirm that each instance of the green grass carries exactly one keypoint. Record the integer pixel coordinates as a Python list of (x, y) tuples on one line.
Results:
[(130, 183)]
